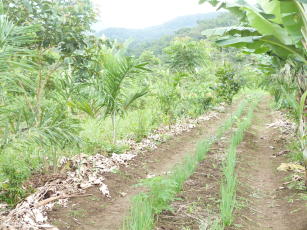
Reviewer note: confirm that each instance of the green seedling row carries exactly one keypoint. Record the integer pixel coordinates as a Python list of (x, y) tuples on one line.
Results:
[(163, 190), (229, 182)]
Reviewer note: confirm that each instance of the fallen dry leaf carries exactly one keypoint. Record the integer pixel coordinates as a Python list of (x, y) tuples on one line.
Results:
[(281, 153), (291, 167)]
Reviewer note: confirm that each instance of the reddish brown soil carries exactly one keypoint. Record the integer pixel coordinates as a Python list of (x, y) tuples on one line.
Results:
[(268, 203), (97, 212), (262, 204), (199, 198), (40, 179)]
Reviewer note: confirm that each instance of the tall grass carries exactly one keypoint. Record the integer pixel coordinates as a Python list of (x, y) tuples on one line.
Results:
[(163, 190)]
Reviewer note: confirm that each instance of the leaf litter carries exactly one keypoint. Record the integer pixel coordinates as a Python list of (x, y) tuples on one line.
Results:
[(86, 171), (287, 128)]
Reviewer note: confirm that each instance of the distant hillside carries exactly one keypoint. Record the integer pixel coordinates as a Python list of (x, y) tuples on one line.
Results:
[(156, 32)]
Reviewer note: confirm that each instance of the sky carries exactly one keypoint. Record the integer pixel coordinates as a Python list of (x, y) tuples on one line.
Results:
[(145, 13)]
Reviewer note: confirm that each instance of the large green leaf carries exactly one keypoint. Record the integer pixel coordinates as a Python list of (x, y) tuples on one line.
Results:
[(258, 19), (238, 41), (282, 24), (251, 44), (265, 27), (282, 50), (272, 7), (294, 19), (257, 44)]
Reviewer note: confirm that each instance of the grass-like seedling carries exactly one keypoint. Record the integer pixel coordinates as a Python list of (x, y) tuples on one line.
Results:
[(141, 213), (163, 190), (229, 182)]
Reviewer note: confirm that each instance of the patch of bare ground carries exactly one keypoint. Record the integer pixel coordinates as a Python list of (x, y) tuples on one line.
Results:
[(267, 203), (97, 212)]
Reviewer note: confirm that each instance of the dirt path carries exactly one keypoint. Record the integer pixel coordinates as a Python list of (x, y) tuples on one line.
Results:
[(261, 203), (96, 212), (269, 205)]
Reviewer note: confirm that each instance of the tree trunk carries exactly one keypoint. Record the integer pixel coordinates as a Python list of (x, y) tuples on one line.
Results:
[(302, 131), (304, 144), (114, 127), (305, 161), (302, 85)]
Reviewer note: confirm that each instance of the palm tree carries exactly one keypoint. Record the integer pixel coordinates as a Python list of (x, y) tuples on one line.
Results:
[(117, 68)]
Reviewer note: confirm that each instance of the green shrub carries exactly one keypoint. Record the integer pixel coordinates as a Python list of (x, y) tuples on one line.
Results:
[(11, 190), (227, 84)]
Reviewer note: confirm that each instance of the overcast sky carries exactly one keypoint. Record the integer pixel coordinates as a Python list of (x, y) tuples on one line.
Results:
[(144, 13)]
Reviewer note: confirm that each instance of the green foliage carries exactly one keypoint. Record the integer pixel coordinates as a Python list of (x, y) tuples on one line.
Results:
[(167, 94), (160, 200), (283, 86), (141, 123), (227, 84), (185, 55), (149, 58), (117, 69), (279, 34), (30, 117), (295, 151), (11, 190), (85, 62), (71, 18), (141, 213), (279, 29)]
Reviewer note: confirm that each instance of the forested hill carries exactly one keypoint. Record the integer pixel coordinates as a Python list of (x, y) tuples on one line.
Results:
[(155, 32), (214, 20)]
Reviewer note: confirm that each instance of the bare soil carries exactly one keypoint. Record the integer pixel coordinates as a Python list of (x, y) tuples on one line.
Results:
[(98, 212), (269, 204), (264, 202)]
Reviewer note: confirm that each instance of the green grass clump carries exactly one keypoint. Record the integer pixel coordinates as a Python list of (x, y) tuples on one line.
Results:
[(141, 213), (163, 190)]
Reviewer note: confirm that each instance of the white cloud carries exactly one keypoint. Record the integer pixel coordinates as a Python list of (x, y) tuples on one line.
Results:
[(144, 13)]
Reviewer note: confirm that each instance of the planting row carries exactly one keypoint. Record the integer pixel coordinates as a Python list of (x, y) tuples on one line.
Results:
[(163, 190)]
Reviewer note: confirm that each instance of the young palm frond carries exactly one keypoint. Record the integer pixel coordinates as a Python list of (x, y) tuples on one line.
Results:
[(12, 43), (117, 68), (133, 97), (55, 128)]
